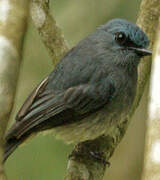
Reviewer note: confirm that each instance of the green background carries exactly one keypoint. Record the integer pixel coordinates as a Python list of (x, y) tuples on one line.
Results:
[(43, 157)]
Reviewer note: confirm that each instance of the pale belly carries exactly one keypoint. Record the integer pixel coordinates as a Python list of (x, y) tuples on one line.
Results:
[(103, 122)]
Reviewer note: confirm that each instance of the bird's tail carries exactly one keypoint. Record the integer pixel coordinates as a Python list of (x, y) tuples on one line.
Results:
[(11, 144), (12, 141)]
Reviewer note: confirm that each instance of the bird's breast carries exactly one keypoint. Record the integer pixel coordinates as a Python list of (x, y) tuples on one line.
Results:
[(104, 121)]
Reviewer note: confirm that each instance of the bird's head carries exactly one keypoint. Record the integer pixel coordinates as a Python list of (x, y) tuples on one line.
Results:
[(128, 40)]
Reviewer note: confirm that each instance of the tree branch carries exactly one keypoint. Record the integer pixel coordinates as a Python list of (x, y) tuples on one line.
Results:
[(152, 145), (50, 33), (81, 166), (148, 20), (13, 21)]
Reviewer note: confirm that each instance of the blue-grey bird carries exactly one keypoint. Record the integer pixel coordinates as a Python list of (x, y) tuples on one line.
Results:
[(89, 92)]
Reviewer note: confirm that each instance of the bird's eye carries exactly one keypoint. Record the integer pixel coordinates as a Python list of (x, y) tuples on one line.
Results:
[(120, 37)]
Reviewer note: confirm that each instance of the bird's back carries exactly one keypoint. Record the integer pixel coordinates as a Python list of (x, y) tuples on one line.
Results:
[(83, 63)]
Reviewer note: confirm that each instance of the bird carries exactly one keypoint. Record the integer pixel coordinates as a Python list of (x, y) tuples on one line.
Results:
[(89, 92)]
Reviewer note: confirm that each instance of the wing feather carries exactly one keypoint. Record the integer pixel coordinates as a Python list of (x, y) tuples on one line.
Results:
[(43, 106), (29, 101)]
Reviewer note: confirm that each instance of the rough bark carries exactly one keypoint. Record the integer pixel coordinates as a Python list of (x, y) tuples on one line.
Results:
[(151, 168), (81, 166), (13, 19), (50, 33)]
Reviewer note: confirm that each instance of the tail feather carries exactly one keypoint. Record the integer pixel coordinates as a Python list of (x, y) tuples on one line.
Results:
[(11, 145), (12, 141)]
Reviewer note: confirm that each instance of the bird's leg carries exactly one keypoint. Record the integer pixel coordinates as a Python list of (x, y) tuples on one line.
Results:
[(96, 155)]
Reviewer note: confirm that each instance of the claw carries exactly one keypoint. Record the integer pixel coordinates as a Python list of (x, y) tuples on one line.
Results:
[(100, 157)]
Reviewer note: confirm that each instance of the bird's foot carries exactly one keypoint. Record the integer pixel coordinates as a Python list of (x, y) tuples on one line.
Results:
[(96, 155), (100, 156), (70, 156)]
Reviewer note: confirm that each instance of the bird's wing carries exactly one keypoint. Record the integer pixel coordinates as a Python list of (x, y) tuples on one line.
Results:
[(46, 109), (31, 98)]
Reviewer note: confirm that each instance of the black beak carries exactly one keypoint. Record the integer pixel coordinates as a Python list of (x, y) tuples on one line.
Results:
[(142, 52)]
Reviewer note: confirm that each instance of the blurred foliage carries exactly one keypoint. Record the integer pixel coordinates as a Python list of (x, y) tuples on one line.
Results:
[(43, 157)]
